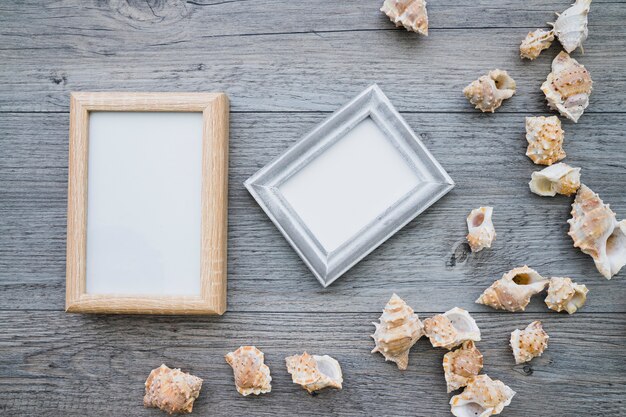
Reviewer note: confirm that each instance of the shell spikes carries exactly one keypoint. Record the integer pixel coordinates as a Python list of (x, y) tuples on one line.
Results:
[(563, 294), (397, 332), (545, 140), (535, 42), (451, 328), (480, 227), (483, 397), (489, 91), (314, 372), (252, 376), (571, 25), (512, 292), (462, 364), (529, 343), (556, 179), (171, 390), (408, 13), (595, 230)]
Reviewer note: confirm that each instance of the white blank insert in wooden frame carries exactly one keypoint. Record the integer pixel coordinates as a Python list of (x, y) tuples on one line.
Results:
[(349, 185)]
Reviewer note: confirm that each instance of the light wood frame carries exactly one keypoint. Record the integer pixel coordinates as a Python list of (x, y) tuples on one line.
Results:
[(214, 207)]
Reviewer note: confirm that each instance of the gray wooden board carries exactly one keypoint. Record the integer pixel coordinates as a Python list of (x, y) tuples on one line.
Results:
[(286, 65)]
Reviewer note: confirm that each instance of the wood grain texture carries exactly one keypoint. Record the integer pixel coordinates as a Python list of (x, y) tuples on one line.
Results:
[(286, 65)]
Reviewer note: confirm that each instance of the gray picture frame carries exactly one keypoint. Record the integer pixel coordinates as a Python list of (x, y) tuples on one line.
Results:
[(327, 266)]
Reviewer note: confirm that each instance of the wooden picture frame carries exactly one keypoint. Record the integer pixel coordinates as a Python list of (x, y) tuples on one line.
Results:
[(215, 123)]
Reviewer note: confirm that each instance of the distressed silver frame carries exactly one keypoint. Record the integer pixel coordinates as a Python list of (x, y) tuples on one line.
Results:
[(330, 265)]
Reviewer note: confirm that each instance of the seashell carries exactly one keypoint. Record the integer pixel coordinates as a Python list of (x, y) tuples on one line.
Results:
[(314, 372), (535, 42), (171, 390), (462, 364), (597, 233), (568, 87), (512, 292), (529, 343), (488, 92), (481, 230), (556, 179), (545, 140), (408, 13), (571, 25), (252, 376), (451, 328), (483, 397), (397, 332), (563, 294)]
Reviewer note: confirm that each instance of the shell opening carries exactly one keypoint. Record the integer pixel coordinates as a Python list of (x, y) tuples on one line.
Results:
[(478, 220), (326, 368), (524, 279), (470, 410), (504, 82), (543, 184), (616, 248)]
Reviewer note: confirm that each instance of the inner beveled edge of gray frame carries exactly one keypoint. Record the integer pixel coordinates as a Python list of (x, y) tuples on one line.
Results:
[(327, 266)]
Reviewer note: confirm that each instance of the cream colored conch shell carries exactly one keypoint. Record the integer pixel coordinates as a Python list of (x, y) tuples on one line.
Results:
[(408, 13), (171, 390), (535, 42), (563, 294), (568, 87), (252, 376), (571, 25), (488, 92), (512, 292), (545, 140), (397, 332), (597, 233), (314, 372), (451, 328), (462, 364), (556, 179), (529, 343), (483, 397), (480, 227)]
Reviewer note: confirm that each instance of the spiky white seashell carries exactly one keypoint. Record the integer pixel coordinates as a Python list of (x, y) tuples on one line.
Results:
[(488, 92), (568, 87), (451, 328), (314, 372), (529, 343), (408, 13), (596, 231), (480, 226), (512, 292), (535, 42), (482, 397), (171, 390), (397, 332), (571, 25), (545, 140), (556, 179), (252, 376), (462, 364), (563, 294)]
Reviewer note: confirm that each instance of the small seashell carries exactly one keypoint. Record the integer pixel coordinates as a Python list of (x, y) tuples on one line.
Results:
[(252, 376), (568, 87), (545, 139), (451, 328), (408, 13), (556, 179), (481, 230), (571, 25), (462, 364), (488, 92), (535, 42), (483, 397), (171, 390), (529, 343), (595, 230), (512, 292), (563, 294), (397, 332), (314, 372)]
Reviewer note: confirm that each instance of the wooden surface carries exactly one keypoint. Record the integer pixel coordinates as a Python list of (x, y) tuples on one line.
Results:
[(285, 65)]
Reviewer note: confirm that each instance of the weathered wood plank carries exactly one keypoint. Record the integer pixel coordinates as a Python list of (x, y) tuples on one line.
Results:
[(433, 273), (52, 363)]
